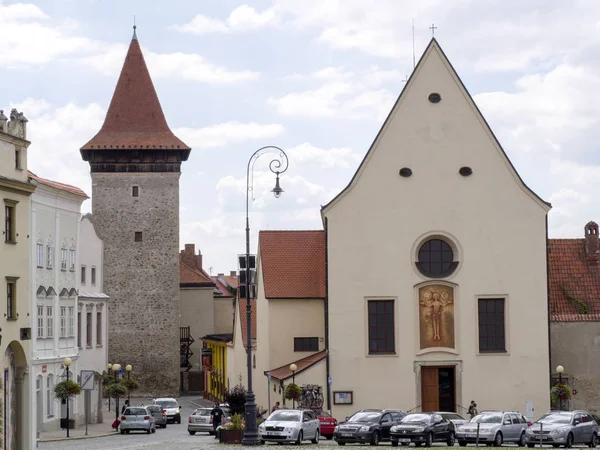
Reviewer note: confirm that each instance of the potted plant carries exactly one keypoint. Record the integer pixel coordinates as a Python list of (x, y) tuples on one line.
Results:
[(64, 391), (130, 384), (560, 391), (236, 399), (233, 430), (292, 392)]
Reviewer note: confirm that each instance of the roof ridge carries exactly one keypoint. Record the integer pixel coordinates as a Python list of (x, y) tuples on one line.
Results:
[(48, 182)]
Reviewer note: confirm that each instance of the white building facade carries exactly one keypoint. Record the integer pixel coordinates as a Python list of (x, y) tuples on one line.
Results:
[(55, 215), (92, 319)]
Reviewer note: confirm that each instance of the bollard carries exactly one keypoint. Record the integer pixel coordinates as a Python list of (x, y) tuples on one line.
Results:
[(541, 433), (477, 437)]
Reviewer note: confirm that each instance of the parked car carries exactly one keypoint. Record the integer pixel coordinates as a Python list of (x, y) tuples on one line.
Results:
[(200, 421), (367, 427), (453, 417), (290, 425), (565, 428), (423, 429), (495, 428), (171, 407), (137, 418), (159, 414), (328, 424)]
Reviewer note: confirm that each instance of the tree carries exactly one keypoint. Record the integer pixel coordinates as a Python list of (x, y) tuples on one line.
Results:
[(66, 389)]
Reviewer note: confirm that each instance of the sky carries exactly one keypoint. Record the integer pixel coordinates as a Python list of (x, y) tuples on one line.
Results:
[(314, 77)]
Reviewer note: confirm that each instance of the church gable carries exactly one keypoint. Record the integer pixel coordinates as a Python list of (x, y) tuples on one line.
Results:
[(435, 132)]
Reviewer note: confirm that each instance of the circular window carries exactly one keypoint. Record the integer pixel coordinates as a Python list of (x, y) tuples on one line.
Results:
[(436, 259)]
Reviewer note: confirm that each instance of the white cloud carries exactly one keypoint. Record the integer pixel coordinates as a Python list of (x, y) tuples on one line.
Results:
[(343, 94), (242, 18), (20, 11), (324, 157), (222, 134)]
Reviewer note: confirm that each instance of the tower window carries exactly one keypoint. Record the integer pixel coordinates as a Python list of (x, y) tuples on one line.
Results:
[(135, 191), (18, 159), (138, 236)]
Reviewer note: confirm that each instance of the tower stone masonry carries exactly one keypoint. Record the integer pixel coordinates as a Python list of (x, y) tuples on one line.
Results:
[(135, 163)]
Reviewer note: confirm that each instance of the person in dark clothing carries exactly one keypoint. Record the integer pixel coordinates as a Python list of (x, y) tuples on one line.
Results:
[(472, 409), (217, 417), (125, 406)]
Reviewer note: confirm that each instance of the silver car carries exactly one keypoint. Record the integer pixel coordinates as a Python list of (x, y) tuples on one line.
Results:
[(171, 407), (453, 417), (159, 414), (200, 421), (565, 428), (495, 428), (137, 418), (291, 425)]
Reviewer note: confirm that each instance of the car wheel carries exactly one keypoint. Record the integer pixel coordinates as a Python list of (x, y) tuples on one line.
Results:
[(418, 444), (462, 443), (316, 439), (394, 443), (522, 440), (594, 441), (498, 440), (375, 438), (451, 440), (192, 433), (300, 438), (429, 440), (555, 445), (339, 443), (569, 442), (530, 445), (122, 431), (329, 437)]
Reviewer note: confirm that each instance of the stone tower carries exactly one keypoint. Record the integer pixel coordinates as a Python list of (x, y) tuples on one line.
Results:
[(135, 163)]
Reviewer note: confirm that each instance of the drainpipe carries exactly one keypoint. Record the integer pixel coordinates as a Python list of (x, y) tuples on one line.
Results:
[(326, 312)]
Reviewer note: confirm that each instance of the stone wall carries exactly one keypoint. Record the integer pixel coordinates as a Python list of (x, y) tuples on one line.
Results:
[(141, 277), (576, 347)]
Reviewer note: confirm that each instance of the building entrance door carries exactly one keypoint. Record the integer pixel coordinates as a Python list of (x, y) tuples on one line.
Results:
[(438, 389)]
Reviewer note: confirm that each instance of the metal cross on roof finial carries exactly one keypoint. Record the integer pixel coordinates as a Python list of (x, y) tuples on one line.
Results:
[(405, 79), (433, 28)]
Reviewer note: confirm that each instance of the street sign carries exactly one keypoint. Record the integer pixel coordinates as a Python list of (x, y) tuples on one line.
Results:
[(329, 380), (88, 380)]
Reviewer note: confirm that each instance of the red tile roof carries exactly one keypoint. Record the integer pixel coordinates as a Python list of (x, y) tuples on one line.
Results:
[(574, 282), (244, 322), (189, 275), (232, 281), (221, 287), (135, 118), (293, 263), (283, 373), (57, 185)]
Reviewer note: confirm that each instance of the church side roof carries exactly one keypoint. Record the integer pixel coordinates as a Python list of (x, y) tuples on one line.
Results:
[(293, 263), (135, 118), (56, 185)]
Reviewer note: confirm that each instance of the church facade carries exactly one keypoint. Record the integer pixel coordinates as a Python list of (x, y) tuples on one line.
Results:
[(135, 163), (437, 264)]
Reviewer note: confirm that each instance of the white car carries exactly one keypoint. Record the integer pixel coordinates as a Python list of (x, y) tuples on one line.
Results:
[(171, 408), (290, 425)]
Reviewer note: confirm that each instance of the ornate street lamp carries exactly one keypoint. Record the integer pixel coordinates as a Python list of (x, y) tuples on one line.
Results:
[(109, 369), (293, 368), (67, 362), (128, 369), (560, 370), (115, 369), (278, 165)]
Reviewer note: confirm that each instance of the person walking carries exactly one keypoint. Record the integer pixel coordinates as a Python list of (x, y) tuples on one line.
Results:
[(217, 416), (125, 406), (472, 409)]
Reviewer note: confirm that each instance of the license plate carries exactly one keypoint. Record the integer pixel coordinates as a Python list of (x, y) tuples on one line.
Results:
[(347, 434), (199, 421), (404, 441), (272, 433)]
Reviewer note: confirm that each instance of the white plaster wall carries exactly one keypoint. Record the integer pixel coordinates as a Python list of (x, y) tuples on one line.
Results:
[(499, 228), (197, 312)]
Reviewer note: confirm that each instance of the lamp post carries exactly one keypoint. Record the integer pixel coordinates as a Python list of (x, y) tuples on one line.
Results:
[(293, 368), (278, 165), (128, 369), (109, 369), (560, 370), (67, 363), (116, 368)]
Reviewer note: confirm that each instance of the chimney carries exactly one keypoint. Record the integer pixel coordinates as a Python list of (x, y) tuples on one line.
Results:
[(188, 255), (233, 273), (592, 242), (199, 260)]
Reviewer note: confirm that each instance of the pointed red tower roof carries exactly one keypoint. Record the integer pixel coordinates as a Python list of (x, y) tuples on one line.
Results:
[(135, 119)]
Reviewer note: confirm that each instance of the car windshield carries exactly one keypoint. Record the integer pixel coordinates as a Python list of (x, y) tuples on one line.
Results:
[(285, 416), (487, 418), (201, 412), (135, 412), (449, 416), (416, 418), (167, 403), (555, 418), (323, 414), (365, 417), (154, 409)]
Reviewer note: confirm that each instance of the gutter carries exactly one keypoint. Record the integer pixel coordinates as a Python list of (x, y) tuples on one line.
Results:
[(326, 312)]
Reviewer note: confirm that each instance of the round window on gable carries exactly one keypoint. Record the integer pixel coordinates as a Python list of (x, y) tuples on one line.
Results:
[(436, 259), (434, 97)]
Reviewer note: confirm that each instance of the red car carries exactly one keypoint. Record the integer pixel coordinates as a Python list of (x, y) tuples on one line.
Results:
[(328, 424)]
